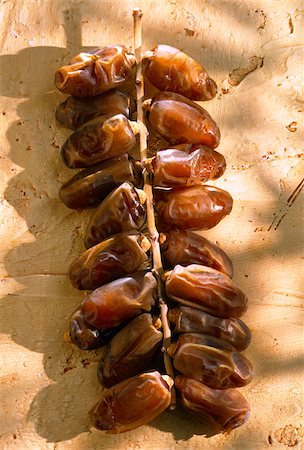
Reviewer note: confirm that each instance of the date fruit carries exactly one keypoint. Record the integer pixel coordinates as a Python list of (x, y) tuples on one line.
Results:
[(211, 361), (130, 352), (122, 210), (192, 208), (186, 247), (206, 289), (180, 120), (98, 140), (95, 71), (173, 167), (169, 69), (111, 259), (131, 403), (190, 320), (76, 111), (224, 409), (120, 301), (90, 186)]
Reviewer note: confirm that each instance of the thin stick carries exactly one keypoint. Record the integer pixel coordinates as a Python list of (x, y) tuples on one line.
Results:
[(148, 189)]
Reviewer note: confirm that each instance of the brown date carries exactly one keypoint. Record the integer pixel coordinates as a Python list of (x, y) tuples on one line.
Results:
[(211, 361), (190, 320), (192, 208), (131, 403), (111, 259), (76, 111), (186, 247), (179, 120), (90, 186), (169, 69), (130, 352), (174, 167), (122, 210), (85, 336), (224, 409), (206, 289), (119, 301), (95, 71), (97, 140)]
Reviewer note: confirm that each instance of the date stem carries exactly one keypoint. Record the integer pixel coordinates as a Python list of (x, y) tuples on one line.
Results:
[(148, 189)]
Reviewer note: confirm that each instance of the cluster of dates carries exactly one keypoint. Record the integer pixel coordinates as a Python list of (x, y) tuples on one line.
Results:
[(121, 312)]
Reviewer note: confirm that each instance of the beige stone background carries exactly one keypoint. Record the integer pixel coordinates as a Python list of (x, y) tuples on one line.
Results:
[(46, 385)]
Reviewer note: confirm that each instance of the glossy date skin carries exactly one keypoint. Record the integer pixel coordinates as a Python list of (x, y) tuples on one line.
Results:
[(120, 301), (131, 403), (223, 409), (111, 259), (96, 71), (186, 247), (211, 361), (169, 69), (85, 336), (76, 111), (190, 320), (122, 210), (206, 289), (192, 208), (179, 120), (98, 140), (90, 186), (174, 167), (130, 352)]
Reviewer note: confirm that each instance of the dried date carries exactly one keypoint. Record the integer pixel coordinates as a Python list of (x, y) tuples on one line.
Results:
[(130, 352), (98, 140), (120, 300), (169, 69), (76, 111), (96, 71), (206, 289), (224, 409), (131, 403), (111, 259), (122, 210)]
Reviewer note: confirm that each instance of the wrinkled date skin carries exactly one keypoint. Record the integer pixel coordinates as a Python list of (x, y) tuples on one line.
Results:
[(174, 167), (192, 208), (119, 301), (97, 140), (122, 210), (169, 69), (96, 71), (90, 186), (186, 247), (76, 111), (130, 352), (85, 336), (190, 320), (131, 403), (109, 260), (179, 120), (211, 361), (206, 289), (223, 409)]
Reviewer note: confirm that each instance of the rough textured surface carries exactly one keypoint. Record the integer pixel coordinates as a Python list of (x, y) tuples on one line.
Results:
[(46, 385)]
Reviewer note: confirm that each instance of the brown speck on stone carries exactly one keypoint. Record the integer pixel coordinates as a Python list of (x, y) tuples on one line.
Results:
[(238, 75), (287, 435), (29, 148), (270, 439), (224, 91), (292, 127), (189, 32), (290, 24)]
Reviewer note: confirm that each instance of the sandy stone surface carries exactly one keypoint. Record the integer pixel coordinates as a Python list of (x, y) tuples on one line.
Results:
[(254, 51)]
